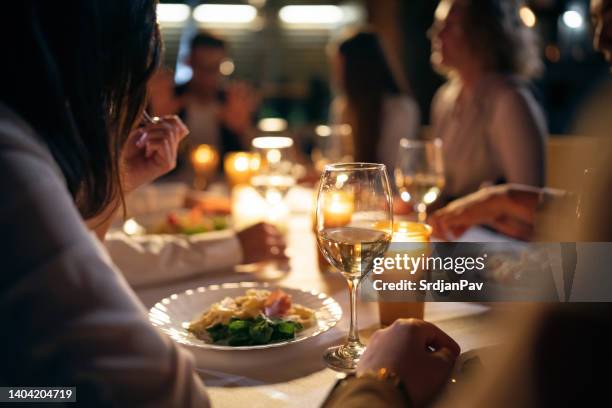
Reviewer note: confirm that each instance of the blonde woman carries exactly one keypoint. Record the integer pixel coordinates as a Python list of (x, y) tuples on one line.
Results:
[(492, 127)]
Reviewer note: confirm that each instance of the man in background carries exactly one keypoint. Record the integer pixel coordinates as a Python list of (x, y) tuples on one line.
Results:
[(216, 112)]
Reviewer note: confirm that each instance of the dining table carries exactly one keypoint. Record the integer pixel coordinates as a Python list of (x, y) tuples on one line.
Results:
[(295, 375)]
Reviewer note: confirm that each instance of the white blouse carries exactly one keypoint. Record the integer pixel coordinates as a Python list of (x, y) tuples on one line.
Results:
[(496, 134), (68, 316)]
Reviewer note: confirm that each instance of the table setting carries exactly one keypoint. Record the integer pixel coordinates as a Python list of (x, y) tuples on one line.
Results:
[(324, 226)]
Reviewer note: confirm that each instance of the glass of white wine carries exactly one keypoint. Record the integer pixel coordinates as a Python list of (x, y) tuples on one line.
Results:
[(419, 173), (351, 242)]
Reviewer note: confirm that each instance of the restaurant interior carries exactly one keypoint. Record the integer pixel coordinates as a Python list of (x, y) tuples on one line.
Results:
[(335, 203)]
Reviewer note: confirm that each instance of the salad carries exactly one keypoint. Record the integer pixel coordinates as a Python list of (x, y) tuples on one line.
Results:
[(194, 221), (259, 317)]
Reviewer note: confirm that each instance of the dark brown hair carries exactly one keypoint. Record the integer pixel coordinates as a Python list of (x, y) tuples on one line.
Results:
[(367, 80), (206, 39), (77, 74)]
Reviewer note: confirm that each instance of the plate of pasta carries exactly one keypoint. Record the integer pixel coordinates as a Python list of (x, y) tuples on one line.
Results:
[(244, 316)]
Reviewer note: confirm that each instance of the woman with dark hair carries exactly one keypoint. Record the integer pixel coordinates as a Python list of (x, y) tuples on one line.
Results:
[(492, 128), (371, 100), (71, 99)]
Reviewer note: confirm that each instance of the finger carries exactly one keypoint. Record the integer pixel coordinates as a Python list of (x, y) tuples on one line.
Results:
[(446, 357), (513, 228), (271, 229), (275, 241), (161, 153), (277, 253), (179, 124), (439, 227), (168, 127), (138, 137), (521, 207), (452, 227), (438, 339)]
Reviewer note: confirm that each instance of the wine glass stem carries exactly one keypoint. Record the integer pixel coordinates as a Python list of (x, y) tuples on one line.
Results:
[(353, 336)]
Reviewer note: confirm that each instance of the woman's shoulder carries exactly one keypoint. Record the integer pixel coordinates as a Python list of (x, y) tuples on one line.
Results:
[(18, 136), (506, 87), (446, 96)]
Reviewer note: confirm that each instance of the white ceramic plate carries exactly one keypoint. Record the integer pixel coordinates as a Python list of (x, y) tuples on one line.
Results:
[(172, 314)]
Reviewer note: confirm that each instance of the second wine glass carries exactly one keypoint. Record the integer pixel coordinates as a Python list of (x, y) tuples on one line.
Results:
[(351, 242), (419, 174)]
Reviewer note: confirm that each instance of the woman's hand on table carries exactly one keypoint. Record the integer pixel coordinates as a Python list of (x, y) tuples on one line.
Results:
[(509, 209), (151, 151), (261, 243), (419, 353)]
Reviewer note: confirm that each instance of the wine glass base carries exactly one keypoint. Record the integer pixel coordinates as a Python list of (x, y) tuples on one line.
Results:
[(344, 358)]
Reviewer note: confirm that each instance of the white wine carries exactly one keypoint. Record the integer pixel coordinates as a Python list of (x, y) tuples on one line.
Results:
[(352, 250), (420, 188), (272, 187)]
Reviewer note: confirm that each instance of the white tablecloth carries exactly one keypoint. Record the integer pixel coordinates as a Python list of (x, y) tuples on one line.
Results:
[(295, 376)]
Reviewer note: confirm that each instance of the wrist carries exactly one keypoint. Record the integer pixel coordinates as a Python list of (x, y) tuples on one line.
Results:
[(386, 376)]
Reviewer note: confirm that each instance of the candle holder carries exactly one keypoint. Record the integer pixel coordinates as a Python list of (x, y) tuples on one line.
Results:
[(204, 159), (390, 310)]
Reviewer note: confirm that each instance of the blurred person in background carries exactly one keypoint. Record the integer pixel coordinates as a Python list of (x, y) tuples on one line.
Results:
[(515, 210), (492, 128), (371, 100), (216, 113), (554, 357)]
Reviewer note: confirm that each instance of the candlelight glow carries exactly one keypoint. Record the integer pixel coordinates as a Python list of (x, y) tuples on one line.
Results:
[(240, 167), (204, 158), (338, 210)]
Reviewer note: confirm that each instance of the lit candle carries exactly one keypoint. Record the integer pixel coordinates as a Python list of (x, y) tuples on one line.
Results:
[(240, 167), (408, 231), (204, 159), (338, 210), (409, 304)]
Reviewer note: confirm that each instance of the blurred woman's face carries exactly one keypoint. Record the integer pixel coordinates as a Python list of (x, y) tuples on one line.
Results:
[(449, 45)]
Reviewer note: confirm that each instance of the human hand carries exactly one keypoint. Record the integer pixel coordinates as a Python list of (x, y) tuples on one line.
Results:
[(150, 151), (509, 209), (420, 354), (262, 242)]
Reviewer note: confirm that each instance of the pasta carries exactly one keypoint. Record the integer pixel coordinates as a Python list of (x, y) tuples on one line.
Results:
[(255, 306)]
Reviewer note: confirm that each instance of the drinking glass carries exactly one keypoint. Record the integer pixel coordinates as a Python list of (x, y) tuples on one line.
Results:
[(419, 173), (352, 242), (332, 145), (275, 176)]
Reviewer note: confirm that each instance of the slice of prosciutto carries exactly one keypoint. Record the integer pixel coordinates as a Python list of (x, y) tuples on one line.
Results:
[(277, 304)]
